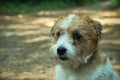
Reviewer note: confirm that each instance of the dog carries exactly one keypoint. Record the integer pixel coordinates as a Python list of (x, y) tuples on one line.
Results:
[(75, 49)]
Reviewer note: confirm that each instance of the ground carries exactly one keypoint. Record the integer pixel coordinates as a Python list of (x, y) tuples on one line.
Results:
[(25, 41)]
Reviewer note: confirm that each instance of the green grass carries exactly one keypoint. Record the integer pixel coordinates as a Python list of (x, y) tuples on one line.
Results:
[(23, 8), (13, 8), (55, 5), (115, 3)]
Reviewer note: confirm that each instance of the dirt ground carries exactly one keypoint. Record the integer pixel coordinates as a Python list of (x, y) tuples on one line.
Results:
[(25, 41)]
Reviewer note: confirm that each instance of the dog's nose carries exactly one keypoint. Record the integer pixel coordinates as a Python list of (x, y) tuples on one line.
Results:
[(61, 51)]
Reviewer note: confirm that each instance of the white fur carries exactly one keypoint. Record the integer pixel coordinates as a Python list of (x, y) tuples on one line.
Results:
[(66, 70), (66, 22), (87, 58), (64, 41), (102, 72)]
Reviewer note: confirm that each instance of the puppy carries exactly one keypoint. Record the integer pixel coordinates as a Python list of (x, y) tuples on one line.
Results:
[(76, 37)]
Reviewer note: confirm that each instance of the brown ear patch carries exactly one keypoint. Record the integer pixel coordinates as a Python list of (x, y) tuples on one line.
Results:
[(52, 31), (98, 27)]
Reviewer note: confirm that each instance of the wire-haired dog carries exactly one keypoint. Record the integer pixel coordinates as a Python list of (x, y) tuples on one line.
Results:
[(76, 37)]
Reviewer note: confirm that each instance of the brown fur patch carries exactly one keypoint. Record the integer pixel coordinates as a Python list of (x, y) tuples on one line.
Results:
[(89, 31)]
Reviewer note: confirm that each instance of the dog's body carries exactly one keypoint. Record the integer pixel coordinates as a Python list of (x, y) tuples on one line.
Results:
[(76, 37), (100, 72)]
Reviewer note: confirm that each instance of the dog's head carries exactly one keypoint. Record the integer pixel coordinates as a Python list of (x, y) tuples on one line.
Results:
[(76, 37)]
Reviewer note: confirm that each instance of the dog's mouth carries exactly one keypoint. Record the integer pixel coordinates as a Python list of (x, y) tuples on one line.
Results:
[(63, 58)]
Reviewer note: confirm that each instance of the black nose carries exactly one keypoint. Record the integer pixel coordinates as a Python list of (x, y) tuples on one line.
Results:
[(61, 51)]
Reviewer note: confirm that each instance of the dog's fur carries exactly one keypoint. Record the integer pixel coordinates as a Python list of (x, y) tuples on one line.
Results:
[(76, 37)]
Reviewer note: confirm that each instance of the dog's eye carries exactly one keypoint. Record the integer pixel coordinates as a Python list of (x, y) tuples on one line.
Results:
[(77, 36), (52, 34), (58, 34)]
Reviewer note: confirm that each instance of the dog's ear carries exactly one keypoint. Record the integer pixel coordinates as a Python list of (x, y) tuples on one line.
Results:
[(98, 27), (52, 31)]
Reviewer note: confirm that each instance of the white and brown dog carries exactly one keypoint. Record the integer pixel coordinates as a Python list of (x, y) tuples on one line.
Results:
[(76, 37)]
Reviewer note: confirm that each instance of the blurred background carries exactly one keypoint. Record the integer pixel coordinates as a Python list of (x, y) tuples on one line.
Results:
[(24, 34)]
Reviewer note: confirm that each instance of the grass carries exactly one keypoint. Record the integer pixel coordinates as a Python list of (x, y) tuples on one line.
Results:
[(22, 8), (13, 8), (115, 3)]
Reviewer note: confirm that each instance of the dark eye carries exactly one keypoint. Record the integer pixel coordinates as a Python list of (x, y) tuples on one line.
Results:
[(77, 36), (58, 34), (52, 34)]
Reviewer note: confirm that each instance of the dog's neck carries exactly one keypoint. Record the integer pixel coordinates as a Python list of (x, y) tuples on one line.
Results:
[(89, 59), (95, 60), (93, 55)]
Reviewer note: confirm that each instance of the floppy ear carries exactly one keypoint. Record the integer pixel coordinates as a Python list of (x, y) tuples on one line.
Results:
[(51, 32), (98, 27)]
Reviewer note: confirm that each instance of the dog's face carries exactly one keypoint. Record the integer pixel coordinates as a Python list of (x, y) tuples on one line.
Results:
[(76, 37)]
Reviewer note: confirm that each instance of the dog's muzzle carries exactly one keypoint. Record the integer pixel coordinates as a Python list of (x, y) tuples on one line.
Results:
[(61, 51)]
